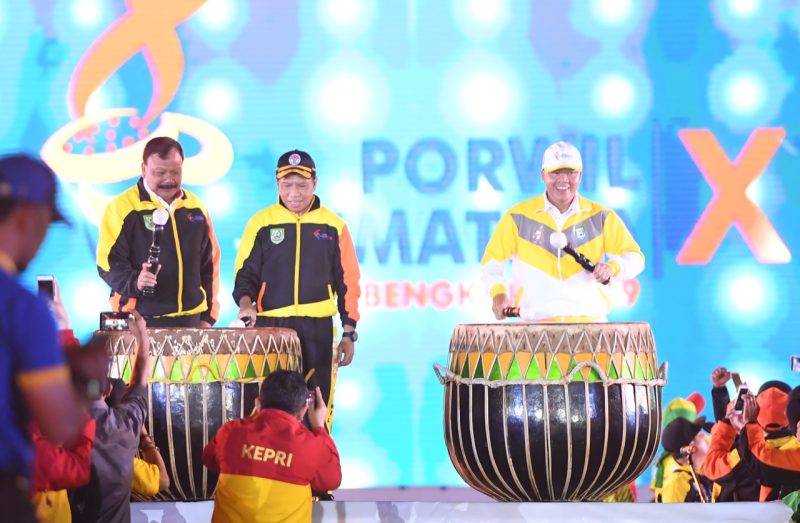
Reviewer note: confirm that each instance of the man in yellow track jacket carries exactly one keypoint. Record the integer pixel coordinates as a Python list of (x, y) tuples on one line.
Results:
[(184, 286), (549, 284), (296, 266)]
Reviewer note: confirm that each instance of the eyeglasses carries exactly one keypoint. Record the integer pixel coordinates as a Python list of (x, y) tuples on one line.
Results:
[(572, 175)]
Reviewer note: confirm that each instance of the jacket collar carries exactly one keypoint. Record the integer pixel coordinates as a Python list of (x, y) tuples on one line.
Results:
[(579, 204), (146, 195)]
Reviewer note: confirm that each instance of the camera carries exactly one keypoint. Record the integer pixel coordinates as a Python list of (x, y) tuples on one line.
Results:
[(46, 287), (114, 321), (743, 390), (311, 399)]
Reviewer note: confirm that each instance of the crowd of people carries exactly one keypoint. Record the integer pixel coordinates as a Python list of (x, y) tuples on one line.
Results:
[(751, 452), (74, 445), (73, 442)]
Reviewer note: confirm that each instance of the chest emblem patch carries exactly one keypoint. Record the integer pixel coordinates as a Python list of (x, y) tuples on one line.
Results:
[(276, 236)]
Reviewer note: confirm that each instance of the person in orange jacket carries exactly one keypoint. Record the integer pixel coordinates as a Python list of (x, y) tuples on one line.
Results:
[(774, 461)]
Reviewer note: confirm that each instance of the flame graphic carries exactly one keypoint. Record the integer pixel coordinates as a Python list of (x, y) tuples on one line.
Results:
[(148, 26)]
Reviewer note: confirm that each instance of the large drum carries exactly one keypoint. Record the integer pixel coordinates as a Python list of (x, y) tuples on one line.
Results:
[(551, 412), (201, 379)]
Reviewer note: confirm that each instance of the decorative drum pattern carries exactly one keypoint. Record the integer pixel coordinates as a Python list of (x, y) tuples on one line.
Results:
[(551, 412), (201, 378)]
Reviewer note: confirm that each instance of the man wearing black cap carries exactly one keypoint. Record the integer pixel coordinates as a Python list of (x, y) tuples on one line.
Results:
[(34, 379), (684, 481), (296, 266), (182, 290)]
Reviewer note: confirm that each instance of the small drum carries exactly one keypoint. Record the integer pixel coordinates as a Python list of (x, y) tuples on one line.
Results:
[(551, 412), (201, 379)]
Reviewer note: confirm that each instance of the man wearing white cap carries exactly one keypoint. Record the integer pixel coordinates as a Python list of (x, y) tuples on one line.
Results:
[(549, 285)]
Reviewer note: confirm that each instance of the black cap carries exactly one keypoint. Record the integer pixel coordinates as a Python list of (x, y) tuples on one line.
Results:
[(680, 432), (296, 162), (775, 384), (24, 178)]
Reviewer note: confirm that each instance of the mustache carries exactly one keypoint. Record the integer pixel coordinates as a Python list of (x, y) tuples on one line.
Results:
[(168, 186)]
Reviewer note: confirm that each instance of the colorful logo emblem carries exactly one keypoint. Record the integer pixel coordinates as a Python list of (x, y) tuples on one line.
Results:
[(148, 222), (276, 236), (537, 236), (294, 159), (95, 149), (580, 232), (318, 234), (195, 218)]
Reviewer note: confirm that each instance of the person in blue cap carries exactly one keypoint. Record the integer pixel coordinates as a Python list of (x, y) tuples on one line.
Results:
[(34, 378)]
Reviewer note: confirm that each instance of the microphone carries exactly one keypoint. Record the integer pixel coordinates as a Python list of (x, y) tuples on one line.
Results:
[(160, 217)]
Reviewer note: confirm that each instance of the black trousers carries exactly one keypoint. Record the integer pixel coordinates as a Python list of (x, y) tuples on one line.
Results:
[(192, 321), (316, 346)]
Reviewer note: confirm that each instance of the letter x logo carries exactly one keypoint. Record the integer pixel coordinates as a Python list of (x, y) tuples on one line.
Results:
[(730, 205)]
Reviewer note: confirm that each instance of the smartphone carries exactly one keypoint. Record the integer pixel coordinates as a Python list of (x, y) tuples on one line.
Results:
[(795, 363), (743, 390), (311, 399), (46, 286), (737, 379), (114, 321)]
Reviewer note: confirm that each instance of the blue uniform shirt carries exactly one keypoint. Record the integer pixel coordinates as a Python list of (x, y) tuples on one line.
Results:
[(30, 355)]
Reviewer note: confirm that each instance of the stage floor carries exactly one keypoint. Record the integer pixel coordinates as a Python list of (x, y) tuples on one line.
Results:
[(430, 504)]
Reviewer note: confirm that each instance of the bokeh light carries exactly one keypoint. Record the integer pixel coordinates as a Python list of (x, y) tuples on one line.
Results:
[(483, 90), (346, 19), (747, 19), (481, 19), (746, 294), (614, 96), (218, 101), (347, 97), (609, 22), (747, 89), (612, 12), (87, 14)]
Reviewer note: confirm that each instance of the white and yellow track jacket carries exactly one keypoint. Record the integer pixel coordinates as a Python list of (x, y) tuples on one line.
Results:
[(550, 285)]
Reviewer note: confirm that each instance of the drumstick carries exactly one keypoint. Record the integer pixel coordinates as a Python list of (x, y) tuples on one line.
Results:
[(309, 374), (697, 483)]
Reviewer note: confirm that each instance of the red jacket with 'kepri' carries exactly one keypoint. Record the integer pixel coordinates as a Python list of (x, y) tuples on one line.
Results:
[(268, 465)]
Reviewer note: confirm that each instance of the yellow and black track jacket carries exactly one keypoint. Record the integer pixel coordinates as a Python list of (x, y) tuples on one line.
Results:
[(189, 275), (294, 265)]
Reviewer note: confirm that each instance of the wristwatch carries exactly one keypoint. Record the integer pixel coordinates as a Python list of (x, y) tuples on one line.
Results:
[(353, 335)]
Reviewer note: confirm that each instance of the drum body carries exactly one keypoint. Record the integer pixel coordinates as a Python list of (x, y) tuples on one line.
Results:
[(201, 378), (552, 412)]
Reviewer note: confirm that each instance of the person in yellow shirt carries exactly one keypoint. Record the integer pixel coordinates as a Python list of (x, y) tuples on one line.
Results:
[(683, 481), (549, 284)]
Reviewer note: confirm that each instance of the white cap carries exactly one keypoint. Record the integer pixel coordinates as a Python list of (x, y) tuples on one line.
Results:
[(561, 155)]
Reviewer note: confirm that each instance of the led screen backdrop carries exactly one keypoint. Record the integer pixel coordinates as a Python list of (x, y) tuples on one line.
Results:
[(427, 120)]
